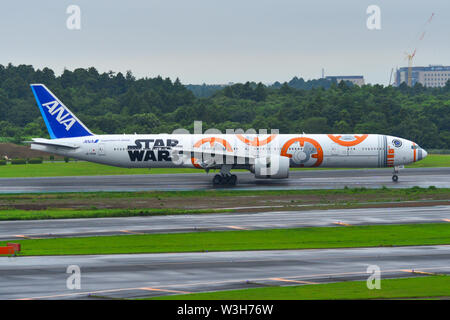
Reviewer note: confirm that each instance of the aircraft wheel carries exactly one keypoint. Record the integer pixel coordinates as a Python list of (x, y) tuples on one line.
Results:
[(217, 179), (233, 180), (395, 178), (226, 179)]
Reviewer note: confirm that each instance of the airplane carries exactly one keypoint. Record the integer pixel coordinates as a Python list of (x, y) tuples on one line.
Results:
[(267, 156)]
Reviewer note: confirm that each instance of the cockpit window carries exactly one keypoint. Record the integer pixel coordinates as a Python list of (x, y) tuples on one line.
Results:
[(415, 147)]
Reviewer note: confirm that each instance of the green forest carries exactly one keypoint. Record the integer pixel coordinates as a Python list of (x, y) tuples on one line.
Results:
[(121, 103)]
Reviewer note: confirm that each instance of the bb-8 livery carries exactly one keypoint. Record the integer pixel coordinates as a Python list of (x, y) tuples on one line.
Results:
[(268, 156)]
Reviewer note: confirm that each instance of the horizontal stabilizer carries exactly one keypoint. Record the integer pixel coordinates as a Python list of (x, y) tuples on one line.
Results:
[(52, 143)]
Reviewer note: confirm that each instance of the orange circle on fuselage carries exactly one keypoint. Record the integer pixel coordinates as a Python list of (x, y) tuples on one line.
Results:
[(211, 141), (301, 141), (358, 140)]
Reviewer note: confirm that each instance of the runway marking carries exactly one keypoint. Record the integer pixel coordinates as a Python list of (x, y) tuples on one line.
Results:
[(419, 272), (132, 232), (78, 293), (25, 237), (164, 290), (295, 281), (237, 228), (342, 224), (254, 207)]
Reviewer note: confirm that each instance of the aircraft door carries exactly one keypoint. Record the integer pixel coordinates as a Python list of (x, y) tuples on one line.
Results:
[(101, 149)]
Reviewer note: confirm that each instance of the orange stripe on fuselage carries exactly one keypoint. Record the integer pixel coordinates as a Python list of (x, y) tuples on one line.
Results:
[(256, 142), (390, 157), (358, 140)]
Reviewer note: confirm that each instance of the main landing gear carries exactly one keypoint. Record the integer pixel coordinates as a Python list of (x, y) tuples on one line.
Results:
[(225, 179)]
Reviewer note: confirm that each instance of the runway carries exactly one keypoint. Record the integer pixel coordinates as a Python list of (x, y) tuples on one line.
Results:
[(140, 275), (307, 179), (38, 229)]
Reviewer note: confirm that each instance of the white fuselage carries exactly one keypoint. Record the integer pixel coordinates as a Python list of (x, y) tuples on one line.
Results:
[(304, 150)]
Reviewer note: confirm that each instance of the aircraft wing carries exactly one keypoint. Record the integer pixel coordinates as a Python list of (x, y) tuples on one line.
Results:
[(52, 143), (211, 153)]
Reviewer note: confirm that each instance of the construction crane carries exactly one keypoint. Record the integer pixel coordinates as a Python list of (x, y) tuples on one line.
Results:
[(390, 78), (411, 55)]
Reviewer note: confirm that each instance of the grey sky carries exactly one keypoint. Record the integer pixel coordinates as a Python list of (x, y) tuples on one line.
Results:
[(225, 41)]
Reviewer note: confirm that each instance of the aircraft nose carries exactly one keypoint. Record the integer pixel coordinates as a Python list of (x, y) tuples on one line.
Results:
[(421, 154)]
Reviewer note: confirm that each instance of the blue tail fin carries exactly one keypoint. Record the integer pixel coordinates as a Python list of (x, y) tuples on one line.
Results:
[(60, 122)]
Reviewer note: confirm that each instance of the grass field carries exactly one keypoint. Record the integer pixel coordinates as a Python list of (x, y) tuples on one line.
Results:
[(275, 239), (419, 287), (432, 160), (82, 168), (79, 168)]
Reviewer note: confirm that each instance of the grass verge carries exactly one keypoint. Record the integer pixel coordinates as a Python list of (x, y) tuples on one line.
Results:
[(408, 192), (419, 287), (271, 239), (97, 213), (123, 204)]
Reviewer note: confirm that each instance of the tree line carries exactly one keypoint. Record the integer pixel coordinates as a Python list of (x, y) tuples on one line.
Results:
[(119, 103)]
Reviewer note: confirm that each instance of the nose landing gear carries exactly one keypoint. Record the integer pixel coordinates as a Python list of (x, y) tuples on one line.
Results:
[(394, 174)]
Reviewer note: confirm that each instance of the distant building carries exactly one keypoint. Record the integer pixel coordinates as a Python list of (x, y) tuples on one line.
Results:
[(431, 76), (357, 80)]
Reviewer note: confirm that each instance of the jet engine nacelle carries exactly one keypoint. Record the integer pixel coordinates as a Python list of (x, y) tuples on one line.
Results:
[(273, 167)]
